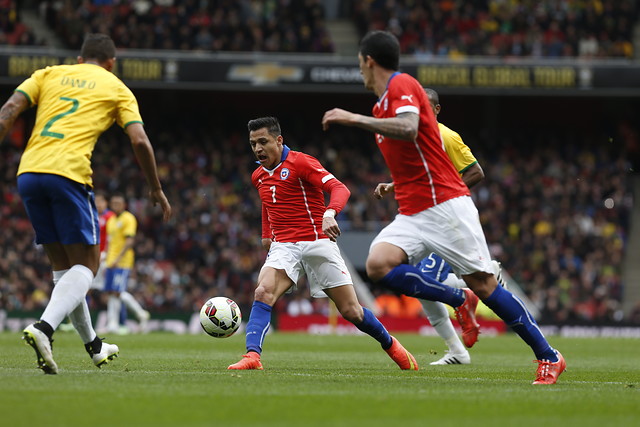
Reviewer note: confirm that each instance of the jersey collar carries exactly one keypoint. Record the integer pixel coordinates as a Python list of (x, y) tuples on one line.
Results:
[(285, 153), (388, 83)]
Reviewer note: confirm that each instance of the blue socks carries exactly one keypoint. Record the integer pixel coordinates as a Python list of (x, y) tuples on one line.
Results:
[(123, 315), (410, 281), (514, 313), (259, 323), (370, 325)]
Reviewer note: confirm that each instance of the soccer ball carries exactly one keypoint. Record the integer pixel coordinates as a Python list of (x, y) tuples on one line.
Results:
[(220, 317)]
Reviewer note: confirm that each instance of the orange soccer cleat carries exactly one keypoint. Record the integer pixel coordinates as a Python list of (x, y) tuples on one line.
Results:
[(466, 315), (250, 360), (548, 372), (401, 356)]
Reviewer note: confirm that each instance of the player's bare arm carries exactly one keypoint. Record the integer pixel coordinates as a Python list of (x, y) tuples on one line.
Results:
[(266, 244), (144, 154), (404, 126), (473, 175), (10, 111)]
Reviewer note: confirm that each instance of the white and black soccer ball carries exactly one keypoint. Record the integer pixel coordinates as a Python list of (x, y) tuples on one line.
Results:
[(220, 317)]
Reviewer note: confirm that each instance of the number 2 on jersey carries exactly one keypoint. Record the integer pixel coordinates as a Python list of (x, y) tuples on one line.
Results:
[(74, 107)]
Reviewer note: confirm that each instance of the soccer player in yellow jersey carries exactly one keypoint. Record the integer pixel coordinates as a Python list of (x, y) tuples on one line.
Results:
[(433, 265), (75, 105), (121, 231)]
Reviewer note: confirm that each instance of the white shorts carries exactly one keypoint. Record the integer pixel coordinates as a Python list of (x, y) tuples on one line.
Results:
[(451, 229), (320, 260)]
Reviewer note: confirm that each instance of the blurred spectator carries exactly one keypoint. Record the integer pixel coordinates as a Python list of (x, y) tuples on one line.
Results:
[(401, 306), (299, 305), (12, 30), (547, 28), (213, 25)]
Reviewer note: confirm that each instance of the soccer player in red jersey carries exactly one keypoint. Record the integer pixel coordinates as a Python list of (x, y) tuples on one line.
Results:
[(104, 213), (436, 212), (300, 234)]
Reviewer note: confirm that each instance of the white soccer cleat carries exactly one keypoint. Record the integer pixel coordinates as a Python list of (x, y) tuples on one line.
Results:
[(497, 272), (107, 352), (42, 345), (453, 359)]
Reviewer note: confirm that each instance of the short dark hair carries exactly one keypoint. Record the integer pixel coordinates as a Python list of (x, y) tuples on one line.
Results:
[(383, 47), (271, 123), (99, 47), (433, 95)]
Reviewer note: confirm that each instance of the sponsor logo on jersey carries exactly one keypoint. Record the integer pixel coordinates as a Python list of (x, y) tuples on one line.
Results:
[(407, 97), (385, 104), (379, 138), (284, 173)]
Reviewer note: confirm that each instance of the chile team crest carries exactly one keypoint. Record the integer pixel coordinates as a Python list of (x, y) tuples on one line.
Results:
[(284, 173)]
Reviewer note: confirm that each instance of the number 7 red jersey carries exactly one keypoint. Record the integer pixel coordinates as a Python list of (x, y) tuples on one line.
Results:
[(292, 196)]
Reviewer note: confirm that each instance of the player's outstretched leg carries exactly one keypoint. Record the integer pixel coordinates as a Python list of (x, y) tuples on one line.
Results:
[(409, 280), (101, 352), (514, 313), (466, 315), (35, 335), (371, 326), (257, 328)]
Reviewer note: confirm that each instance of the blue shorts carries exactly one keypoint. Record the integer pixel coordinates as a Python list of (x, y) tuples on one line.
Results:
[(435, 267), (115, 279), (60, 210)]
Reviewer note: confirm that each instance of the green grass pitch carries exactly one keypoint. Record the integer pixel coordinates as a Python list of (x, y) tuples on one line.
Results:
[(310, 380)]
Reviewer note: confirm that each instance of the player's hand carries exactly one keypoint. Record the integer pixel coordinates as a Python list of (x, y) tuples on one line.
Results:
[(383, 189), (339, 116), (266, 244), (330, 228), (158, 198)]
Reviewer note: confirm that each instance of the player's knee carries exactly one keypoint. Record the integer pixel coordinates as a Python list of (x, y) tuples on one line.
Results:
[(482, 284), (353, 313), (377, 268), (262, 294)]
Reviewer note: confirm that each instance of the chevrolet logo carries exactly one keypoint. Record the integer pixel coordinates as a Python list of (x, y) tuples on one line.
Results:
[(265, 73)]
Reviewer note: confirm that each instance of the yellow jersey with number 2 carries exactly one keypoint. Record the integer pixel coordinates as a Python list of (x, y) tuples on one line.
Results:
[(76, 104)]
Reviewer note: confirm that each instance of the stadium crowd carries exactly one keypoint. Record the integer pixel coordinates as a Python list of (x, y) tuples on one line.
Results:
[(12, 30), (547, 28), (213, 25), (557, 218)]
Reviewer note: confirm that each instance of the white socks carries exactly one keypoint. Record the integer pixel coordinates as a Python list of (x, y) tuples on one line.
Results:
[(438, 316), (113, 312), (132, 304), (70, 290)]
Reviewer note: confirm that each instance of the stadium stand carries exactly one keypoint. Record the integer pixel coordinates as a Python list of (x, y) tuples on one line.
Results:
[(546, 28), (216, 25), (13, 30)]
